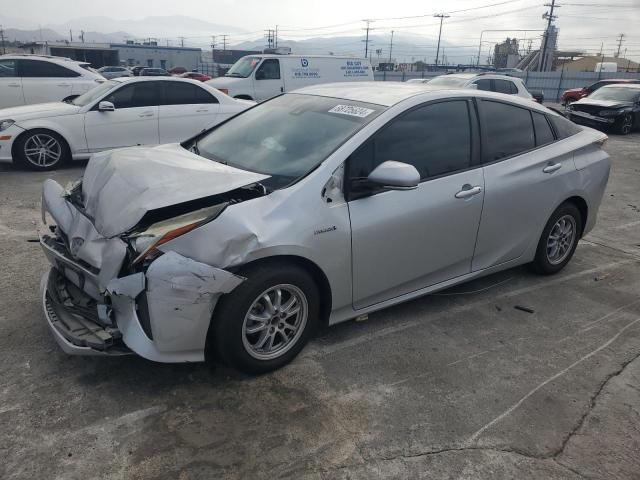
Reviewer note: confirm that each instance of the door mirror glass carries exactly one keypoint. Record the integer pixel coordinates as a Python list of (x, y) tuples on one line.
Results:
[(395, 175), (105, 106)]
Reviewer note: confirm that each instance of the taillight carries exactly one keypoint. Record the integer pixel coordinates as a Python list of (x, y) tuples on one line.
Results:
[(601, 142)]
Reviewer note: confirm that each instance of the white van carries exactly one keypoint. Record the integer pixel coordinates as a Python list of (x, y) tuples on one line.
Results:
[(606, 67), (259, 77)]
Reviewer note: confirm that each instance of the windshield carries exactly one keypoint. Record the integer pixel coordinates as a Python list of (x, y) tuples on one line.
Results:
[(93, 94), (448, 81), (286, 137), (620, 94), (243, 67)]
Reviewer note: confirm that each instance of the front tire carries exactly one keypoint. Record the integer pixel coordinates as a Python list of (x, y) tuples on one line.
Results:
[(266, 321), (41, 150), (626, 124), (559, 240)]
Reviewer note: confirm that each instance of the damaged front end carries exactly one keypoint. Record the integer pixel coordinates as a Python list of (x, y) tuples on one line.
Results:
[(117, 294)]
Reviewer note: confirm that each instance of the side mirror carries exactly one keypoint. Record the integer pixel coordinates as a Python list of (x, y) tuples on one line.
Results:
[(105, 106), (395, 175)]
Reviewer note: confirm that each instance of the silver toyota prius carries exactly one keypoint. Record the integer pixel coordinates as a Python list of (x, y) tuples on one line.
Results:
[(312, 208)]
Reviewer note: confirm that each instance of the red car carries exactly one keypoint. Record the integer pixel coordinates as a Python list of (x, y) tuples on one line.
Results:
[(196, 76), (575, 94)]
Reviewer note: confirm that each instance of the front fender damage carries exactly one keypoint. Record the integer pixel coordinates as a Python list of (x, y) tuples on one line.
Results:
[(181, 295)]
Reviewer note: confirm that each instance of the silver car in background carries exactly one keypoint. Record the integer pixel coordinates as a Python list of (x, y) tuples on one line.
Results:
[(312, 208)]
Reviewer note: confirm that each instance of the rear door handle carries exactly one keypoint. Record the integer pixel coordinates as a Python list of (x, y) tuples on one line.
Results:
[(13, 85), (468, 191), (201, 110), (64, 84), (552, 167), (146, 114)]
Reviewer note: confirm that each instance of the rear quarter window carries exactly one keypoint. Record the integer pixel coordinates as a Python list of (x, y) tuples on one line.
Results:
[(563, 127)]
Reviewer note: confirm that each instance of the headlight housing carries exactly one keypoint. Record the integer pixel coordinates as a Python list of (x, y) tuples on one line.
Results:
[(146, 242), (4, 124)]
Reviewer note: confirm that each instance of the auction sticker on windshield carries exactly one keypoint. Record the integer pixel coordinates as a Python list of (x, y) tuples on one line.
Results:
[(352, 110)]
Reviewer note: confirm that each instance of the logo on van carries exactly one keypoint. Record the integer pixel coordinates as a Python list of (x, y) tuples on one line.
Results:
[(304, 62)]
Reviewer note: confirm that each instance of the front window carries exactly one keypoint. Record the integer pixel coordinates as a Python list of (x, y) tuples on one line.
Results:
[(619, 94), (286, 137), (94, 94), (448, 81), (243, 67)]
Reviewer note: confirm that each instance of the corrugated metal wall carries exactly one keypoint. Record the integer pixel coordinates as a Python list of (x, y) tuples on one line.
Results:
[(552, 83)]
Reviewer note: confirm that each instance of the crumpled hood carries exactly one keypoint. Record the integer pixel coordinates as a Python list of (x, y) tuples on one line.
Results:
[(603, 103), (120, 186), (38, 110)]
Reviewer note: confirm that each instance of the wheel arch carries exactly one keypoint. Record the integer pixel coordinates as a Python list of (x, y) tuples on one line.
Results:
[(582, 206), (313, 269), (28, 130)]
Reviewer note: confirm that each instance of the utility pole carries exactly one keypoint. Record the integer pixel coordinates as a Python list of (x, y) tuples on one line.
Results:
[(181, 41), (276, 42), (82, 36), (270, 39), (550, 18), (70, 36), (620, 37), (366, 38), (224, 41), (391, 46), (441, 16), (2, 37), (213, 47)]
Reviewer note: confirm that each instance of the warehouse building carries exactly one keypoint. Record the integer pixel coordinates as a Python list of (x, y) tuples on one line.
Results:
[(148, 54)]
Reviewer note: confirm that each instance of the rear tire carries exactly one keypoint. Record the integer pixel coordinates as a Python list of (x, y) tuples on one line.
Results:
[(559, 240), (41, 150), (255, 335)]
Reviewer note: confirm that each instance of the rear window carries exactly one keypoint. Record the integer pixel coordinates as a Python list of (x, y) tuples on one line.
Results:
[(505, 86), (563, 127), (180, 93)]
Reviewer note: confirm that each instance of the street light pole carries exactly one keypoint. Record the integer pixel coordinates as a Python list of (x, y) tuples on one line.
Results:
[(441, 16)]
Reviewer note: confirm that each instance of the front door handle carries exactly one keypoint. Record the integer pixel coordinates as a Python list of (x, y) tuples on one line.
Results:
[(552, 167), (202, 110), (468, 191), (13, 85), (146, 114), (64, 84)]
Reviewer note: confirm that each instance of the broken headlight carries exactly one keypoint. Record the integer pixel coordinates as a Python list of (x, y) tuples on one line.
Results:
[(146, 242)]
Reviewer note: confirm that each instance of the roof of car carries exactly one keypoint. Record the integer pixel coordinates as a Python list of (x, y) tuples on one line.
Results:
[(36, 56), (391, 93), (154, 79), (634, 86)]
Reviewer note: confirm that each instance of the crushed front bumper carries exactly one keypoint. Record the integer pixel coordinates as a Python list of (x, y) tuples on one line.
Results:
[(584, 118), (93, 307)]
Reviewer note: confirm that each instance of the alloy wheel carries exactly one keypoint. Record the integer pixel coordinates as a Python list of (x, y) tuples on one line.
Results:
[(560, 240), (627, 123), (42, 150), (275, 321)]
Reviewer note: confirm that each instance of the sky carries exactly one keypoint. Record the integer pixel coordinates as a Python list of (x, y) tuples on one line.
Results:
[(583, 24)]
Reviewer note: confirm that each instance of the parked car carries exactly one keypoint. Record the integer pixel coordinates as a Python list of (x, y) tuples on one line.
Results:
[(118, 113), (483, 81), (177, 70), (259, 77), (538, 95), (312, 208), (615, 107), (196, 76), (27, 79), (136, 70), (575, 94), (114, 72), (154, 72)]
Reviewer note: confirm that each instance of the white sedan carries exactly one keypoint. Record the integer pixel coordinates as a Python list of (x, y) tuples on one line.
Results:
[(121, 112)]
